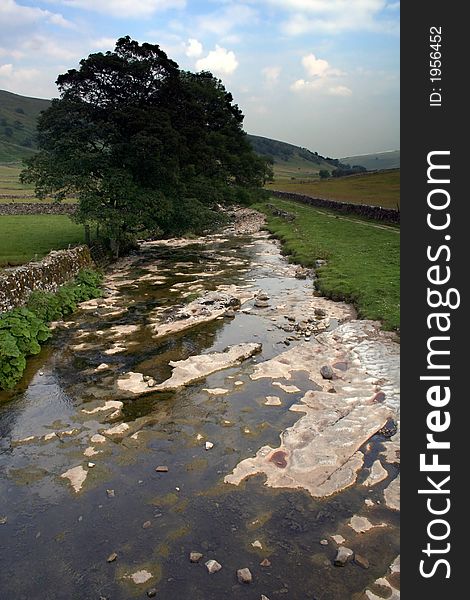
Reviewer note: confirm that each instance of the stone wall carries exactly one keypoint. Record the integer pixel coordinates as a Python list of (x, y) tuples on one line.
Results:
[(36, 208), (55, 269), (371, 212)]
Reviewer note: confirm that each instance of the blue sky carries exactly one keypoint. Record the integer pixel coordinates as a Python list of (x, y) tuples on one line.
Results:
[(323, 74)]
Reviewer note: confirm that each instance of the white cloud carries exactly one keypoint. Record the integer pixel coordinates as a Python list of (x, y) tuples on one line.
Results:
[(271, 74), (339, 90), (28, 82), (221, 22), (315, 67), (125, 8), (104, 43), (335, 16), (6, 70), (220, 61), (194, 48), (18, 15), (47, 47), (320, 75)]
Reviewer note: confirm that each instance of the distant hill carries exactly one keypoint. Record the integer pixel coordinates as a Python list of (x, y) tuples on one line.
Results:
[(375, 162), (283, 153), (18, 117), (19, 114)]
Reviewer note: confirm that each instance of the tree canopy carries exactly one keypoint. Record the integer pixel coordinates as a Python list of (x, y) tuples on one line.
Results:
[(146, 147)]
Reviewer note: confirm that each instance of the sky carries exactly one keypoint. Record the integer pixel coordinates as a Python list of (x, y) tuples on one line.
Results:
[(322, 74)]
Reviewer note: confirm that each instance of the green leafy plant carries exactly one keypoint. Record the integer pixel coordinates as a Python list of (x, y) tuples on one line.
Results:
[(22, 330)]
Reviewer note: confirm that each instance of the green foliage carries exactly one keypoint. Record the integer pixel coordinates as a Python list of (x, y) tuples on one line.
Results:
[(22, 330), (324, 174), (146, 147)]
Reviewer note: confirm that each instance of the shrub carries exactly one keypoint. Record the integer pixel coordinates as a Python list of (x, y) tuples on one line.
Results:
[(22, 330)]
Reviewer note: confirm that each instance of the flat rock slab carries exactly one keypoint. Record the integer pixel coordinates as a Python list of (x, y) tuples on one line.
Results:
[(392, 494), (192, 369), (76, 476), (376, 475), (207, 308), (320, 452)]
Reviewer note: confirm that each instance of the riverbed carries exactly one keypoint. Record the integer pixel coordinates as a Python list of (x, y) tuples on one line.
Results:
[(108, 483)]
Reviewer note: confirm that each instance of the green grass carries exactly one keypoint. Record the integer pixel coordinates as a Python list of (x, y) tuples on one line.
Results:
[(10, 185), (363, 257), (377, 189), (24, 237)]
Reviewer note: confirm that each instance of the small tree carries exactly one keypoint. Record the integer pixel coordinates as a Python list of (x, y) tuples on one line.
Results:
[(324, 174), (146, 148)]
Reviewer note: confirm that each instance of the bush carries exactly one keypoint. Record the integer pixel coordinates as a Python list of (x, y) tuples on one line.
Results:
[(21, 332), (23, 329)]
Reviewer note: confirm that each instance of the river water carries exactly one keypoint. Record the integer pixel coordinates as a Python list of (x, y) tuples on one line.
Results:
[(55, 542)]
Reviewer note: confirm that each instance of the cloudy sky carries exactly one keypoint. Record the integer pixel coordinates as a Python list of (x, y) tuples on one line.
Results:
[(323, 74)]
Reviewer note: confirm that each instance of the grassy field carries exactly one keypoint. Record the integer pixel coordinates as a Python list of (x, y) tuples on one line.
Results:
[(10, 184), (377, 189), (363, 257), (23, 237)]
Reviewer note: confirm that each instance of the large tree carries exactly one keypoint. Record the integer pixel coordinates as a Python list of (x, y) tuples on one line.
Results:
[(146, 147)]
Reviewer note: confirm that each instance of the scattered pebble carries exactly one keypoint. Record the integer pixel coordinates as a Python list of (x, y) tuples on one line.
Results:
[(112, 557), (361, 561), (265, 563), (110, 493), (213, 566), (195, 557), (151, 593), (339, 539), (91, 465), (327, 372), (244, 575), (161, 469), (343, 556), (3, 520), (257, 544), (147, 524), (209, 445), (324, 542)]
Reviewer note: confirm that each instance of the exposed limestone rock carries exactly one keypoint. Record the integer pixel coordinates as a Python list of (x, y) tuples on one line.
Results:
[(273, 401), (339, 539), (207, 308), (386, 584), (289, 389), (97, 438), (376, 475), (115, 405), (320, 452), (244, 575), (216, 391), (76, 476), (392, 494), (190, 370), (362, 524), (140, 577)]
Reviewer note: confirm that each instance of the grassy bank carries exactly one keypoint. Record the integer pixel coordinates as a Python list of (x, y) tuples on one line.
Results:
[(377, 189), (363, 257), (23, 237)]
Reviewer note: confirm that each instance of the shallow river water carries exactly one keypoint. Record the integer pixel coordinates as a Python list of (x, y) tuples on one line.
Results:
[(56, 542)]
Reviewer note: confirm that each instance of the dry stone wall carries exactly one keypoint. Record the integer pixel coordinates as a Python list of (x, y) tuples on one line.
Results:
[(55, 269), (36, 208), (364, 210)]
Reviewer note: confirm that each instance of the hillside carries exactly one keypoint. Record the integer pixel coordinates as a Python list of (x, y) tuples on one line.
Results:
[(289, 160), (375, 162), (18, 117)]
